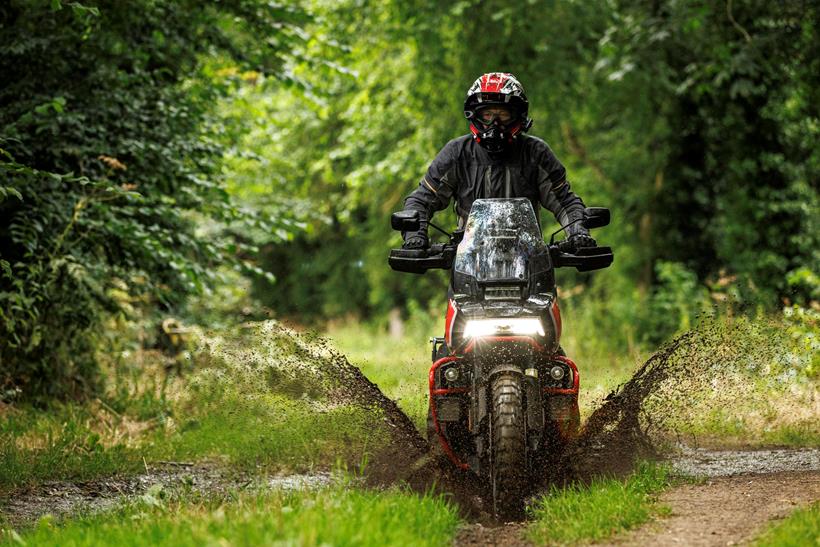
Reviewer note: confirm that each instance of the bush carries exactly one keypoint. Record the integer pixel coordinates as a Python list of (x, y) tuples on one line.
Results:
[(105, 164)]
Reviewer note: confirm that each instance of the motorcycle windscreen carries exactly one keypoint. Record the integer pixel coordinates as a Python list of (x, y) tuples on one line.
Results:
[(502, 241)]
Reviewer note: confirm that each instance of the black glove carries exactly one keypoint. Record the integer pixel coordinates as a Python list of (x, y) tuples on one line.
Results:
[(579, 241), (415, 241)]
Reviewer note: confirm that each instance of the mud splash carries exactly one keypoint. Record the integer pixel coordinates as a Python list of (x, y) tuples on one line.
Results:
[(717, 371), (716, 366)]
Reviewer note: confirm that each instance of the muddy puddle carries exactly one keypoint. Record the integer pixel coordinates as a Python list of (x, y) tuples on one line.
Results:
[(701, 462), (62, 498)]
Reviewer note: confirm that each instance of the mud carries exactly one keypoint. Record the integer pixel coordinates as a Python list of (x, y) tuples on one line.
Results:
[(709, 370), (508, 534), (723, 463), (701, 370)]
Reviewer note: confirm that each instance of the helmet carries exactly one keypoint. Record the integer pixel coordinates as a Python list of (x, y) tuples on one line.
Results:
[(497, 89)]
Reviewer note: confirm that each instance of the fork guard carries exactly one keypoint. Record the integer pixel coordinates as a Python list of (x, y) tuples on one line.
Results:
[(444, 391)]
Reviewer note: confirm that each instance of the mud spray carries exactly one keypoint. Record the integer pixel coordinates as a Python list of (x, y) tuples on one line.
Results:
[(735, 364)]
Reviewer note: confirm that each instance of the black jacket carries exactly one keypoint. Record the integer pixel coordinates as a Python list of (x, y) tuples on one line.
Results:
[(464, 171)]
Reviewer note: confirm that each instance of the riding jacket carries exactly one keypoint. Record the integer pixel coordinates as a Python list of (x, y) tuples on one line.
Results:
[(465, 172)]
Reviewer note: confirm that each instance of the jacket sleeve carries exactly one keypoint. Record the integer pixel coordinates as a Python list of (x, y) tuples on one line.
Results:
[(437, 186), (555, 193)]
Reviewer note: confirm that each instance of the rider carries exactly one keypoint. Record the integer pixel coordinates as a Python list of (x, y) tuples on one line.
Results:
[(496, 160)]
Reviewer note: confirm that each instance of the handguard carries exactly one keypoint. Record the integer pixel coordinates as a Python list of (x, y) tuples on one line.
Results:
[(418, 261), (584, 259)]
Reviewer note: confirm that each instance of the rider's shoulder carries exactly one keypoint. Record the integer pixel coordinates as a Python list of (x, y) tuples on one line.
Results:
[(458, 146), (534, 144)]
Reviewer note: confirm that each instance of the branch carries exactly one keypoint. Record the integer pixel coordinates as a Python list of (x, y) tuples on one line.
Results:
[(735, 23)]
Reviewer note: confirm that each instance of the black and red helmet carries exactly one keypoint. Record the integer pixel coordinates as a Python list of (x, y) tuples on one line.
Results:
[(497, 89)]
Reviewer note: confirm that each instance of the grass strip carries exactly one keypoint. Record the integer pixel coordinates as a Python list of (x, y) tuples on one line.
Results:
[(266, 432), (598, 510), (338, 516), (800, 528)]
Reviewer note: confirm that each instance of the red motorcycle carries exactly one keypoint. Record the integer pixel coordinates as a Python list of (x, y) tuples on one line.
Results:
[(503, 395)]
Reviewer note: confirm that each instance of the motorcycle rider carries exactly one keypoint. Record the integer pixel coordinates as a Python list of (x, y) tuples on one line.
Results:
[(498, 159)]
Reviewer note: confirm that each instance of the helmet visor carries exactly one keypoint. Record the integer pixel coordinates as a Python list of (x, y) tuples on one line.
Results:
[(490, 114)]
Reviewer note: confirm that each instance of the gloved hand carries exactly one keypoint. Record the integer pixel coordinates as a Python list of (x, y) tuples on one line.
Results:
[(415, 241), (579, 241)]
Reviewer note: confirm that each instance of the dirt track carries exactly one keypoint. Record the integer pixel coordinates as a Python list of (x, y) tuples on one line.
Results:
[(742, 492), (727, 510)]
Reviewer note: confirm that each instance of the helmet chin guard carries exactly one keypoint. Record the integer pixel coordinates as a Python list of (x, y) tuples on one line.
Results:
[(497, 89), (495, 138)]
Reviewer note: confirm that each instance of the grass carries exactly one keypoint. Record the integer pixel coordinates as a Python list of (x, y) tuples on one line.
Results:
[(799, 529), (271, 433), (63, 441), (338, 516), (599, 510)]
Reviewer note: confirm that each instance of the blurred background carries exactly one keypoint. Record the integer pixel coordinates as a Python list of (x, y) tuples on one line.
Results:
[(166, 166)]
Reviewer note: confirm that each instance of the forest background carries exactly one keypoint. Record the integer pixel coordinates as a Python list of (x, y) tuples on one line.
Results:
[(223, 162)]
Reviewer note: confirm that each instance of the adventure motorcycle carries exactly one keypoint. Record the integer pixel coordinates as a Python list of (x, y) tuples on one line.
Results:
[(503, 396)]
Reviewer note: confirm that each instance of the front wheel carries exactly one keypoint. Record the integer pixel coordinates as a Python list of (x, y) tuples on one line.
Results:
[(508, 467)]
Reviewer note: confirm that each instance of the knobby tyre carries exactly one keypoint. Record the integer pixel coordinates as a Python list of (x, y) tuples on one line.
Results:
[(509, 458)]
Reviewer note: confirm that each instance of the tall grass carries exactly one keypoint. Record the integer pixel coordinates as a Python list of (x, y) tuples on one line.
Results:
[(257, 398)]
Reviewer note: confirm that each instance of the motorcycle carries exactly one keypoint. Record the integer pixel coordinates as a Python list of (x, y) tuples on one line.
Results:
[(503, 397)]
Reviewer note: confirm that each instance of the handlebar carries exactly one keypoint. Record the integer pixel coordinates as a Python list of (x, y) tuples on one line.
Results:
[(442, 255)]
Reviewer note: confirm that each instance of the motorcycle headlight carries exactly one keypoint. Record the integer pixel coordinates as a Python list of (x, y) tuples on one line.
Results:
[(521, 326)]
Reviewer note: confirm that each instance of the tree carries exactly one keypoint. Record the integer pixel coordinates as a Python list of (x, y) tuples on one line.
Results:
[(107, 162)]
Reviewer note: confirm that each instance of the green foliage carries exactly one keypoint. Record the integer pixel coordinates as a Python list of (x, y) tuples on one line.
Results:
[(144, 143), (676, 300), (698, 129), (108, 164)]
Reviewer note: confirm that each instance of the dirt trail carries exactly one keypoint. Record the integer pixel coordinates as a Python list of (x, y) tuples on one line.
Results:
[(744, 490), (726, 510)]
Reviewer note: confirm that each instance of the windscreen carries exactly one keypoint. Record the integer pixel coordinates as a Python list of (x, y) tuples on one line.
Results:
[(502, 240)]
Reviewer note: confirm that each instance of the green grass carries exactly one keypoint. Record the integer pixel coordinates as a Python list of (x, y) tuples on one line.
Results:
[(598, 510), (268, 433), (271, 432), (336, 516), (801, 528), (62, 441)]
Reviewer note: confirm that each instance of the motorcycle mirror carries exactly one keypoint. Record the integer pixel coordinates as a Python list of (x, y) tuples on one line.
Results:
[(596, 217), (405, 221)]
